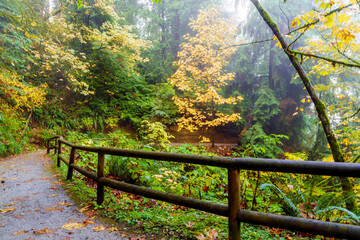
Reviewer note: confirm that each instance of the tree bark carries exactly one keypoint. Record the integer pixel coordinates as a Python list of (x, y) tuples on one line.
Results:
[(27, 122), (271, 66), (346, 184)]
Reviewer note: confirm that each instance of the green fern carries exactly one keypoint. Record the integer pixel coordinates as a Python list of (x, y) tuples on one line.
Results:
[(287, 203), (350, 215)]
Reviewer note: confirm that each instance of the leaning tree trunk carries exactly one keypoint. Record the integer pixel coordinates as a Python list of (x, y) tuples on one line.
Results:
[(346, 184)]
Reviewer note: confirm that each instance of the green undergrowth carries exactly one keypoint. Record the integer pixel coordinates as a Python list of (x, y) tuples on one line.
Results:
[(159, 219)]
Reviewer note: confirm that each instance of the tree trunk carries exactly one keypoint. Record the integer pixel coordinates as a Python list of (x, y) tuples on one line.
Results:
[(27, 122), (346, 184), (272, 66)]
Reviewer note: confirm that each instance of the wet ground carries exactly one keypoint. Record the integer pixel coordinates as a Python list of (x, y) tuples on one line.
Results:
[(34, 205)]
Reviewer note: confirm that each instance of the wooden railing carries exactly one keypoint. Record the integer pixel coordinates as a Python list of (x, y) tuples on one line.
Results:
[(234, 165)]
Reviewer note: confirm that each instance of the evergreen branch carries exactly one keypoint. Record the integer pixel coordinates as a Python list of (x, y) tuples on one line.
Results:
[(316, 21)]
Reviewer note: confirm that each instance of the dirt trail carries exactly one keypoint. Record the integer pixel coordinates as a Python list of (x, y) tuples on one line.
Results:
[(34, 205)]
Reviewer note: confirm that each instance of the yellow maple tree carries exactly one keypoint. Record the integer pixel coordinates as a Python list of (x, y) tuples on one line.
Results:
[(201, 74)]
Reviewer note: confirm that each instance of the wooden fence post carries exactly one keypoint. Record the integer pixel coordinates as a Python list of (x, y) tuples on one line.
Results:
[(100, 173), (59, 153), (56, 145), (234, 204), (48, 146), (72, 160)]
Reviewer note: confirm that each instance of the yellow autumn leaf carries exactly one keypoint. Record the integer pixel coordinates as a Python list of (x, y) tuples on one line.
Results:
[(44, 231), (65, 204), (85, 208), (20, 232), (72, 226), (99, 228), (5, 210), (112, 229)]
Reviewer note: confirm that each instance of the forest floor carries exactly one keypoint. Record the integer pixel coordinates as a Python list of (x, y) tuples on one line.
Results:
[(34, 204)]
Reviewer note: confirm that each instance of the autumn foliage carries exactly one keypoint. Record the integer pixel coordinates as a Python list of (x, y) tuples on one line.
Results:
[(201, 73)]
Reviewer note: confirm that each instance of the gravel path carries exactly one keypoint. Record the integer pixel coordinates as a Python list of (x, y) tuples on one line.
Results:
[(34, 205)]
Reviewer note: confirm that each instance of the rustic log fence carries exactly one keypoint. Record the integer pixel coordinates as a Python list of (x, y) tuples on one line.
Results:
[(234, 165)]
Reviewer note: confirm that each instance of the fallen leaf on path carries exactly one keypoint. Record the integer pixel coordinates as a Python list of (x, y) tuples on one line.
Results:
[(9, 205), (49, 209), (19, 232), (91, 213), (112, 229), (57, 183), (9, 166), (5, 210), (30, 180), (99, 228), (19, 217), (53, 187), (54, 195), (43, 178), (65, 204), (72, 226), (44, 231), (85, 208), (88, 221)]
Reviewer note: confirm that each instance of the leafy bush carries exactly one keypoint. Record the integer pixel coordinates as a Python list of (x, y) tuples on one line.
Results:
[(256, 143), (153, 133), (11, 140)]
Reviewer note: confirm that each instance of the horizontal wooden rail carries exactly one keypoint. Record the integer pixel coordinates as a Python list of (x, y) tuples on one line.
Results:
[(300, 224), (232, 211), (257, 164)]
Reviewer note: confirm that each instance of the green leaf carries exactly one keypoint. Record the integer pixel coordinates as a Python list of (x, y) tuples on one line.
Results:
[(79, 4)]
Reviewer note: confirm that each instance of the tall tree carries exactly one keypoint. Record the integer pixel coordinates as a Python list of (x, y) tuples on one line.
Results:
[(320, 107), (201, 74), (262, 67)]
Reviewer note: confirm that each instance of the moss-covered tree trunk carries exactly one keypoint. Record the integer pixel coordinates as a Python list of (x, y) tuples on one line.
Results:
[(346, 184)]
